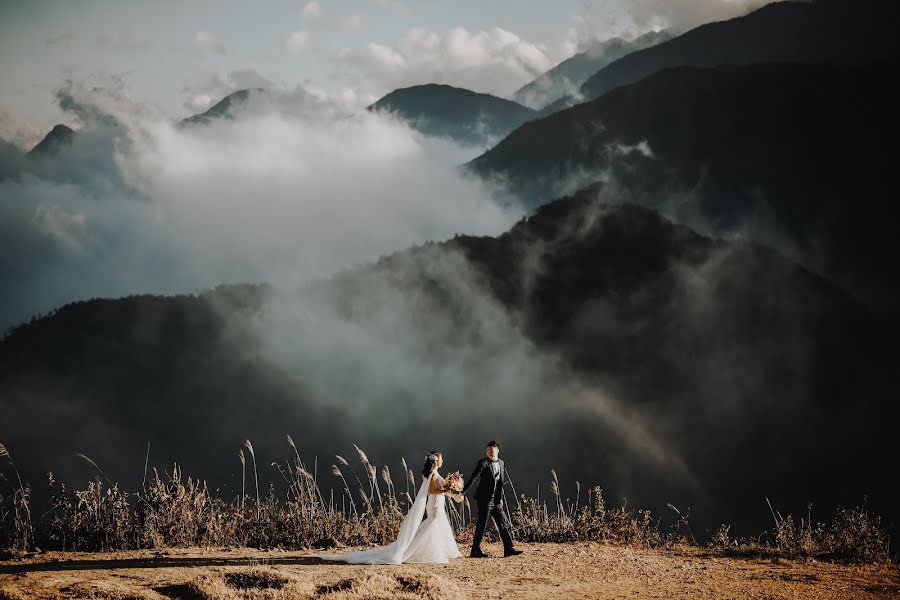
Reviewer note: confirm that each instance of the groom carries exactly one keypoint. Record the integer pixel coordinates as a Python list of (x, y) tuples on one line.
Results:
[(489, 497)]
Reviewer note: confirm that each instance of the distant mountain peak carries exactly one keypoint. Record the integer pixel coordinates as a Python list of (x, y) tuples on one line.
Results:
[(223, 109), (59, 136)]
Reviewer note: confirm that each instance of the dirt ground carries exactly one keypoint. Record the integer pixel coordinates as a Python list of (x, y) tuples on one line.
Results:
[(580, 570)]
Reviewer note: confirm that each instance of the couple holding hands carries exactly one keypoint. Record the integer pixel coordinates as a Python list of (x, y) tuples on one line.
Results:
[(431, 540)]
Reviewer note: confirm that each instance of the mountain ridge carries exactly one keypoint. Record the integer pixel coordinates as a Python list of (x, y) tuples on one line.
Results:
[(732, 148), (828, 39), (687, 333), (571, 73), (466, 116), (834, 31)]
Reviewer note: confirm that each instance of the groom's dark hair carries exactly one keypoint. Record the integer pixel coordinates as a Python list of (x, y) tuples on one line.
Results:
[(493, 444)]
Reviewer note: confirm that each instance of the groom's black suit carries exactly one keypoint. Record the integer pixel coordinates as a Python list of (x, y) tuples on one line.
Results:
[(489, 498)]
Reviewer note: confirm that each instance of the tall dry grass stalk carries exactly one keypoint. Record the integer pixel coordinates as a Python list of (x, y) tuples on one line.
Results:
[(95, 465), (22, 535), (249, 447), (146, 463), (337, 471), (243, 477), (405, 476)]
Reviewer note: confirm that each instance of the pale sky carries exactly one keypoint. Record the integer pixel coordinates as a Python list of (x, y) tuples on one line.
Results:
[(184, 56)]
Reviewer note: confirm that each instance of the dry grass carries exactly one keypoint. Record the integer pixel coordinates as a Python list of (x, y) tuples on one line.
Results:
[(854, 535), (171, 510)]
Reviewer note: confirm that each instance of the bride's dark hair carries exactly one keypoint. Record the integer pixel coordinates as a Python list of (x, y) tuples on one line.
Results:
[(429, 462)]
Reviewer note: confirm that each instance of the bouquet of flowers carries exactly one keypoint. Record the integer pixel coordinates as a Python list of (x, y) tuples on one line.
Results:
[(454, 482)]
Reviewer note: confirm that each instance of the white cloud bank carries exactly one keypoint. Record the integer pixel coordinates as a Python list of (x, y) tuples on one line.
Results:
[(491, 60), (299, 186)]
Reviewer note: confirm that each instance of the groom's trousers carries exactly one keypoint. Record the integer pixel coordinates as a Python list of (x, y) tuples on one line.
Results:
[(487, 509)]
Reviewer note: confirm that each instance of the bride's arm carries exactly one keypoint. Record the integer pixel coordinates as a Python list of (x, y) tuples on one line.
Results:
[(434, 487)]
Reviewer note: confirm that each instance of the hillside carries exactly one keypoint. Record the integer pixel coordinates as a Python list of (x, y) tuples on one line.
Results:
[(694, 370), (568, 76), (732, 149), (467, 117)]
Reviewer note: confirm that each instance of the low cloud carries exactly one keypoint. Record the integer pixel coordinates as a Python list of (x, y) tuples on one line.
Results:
[(300, 185), (419, 344)]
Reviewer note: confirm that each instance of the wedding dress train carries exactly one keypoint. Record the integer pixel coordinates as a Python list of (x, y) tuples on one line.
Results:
[(418, 541)]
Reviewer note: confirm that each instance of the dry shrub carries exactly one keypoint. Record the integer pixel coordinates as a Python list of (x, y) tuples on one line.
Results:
[(721, 539), (535, 522), (405, 584), (97, 518), (854, 535), (179, 511)]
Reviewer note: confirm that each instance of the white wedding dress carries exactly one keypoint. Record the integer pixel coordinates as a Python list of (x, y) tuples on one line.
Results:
[(428, 541)]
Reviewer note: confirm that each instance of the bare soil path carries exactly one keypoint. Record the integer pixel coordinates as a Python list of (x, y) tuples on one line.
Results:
[(580, 570)]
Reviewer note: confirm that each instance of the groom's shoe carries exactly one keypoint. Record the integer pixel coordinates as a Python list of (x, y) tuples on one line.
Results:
[(511, 552), (479, 554)]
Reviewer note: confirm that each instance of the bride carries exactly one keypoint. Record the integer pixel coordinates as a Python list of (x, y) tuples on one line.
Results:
[(428, 541)]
